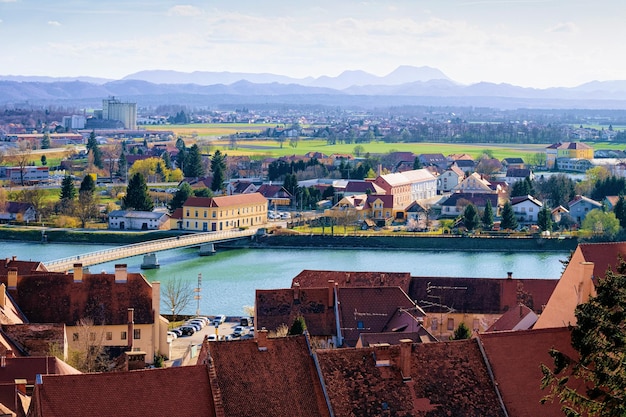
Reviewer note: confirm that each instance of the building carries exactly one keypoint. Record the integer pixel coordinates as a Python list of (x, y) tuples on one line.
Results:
[(224, 212), (114, 109), (17, 211), (138, 220), (567, 150), (74, 122), (526, 208), (408, 186), (449, 179), (580, 206), (29, 174)]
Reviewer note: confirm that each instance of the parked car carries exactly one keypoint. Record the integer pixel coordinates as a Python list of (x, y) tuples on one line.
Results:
[(239, 331), (246, 321), (172, 335), (187, 330), (219, 320), (196, 326), (177, 332), (212, 337), (198, 322)]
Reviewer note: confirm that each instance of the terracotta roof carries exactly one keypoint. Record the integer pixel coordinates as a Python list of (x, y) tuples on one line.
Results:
[(603, 255), (515, 359), (282, 306), (370, 310), (520, 318), (35, 339), (446, 379), (481, 295), (23, 267), (393, 338), (97, 296), (386, 199), (311, 278), (177, 391), (225, 201), (177, 214), (362, 187), (478, 199), (279, 381)]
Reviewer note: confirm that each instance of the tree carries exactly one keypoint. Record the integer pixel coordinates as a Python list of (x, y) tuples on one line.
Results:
[(177, 295), (544, 219), (521, 188), (598, 337), (358, 150), (20, 156), (122, 166), (620, 211), (94, 150), (137, 197), (67, 196), (298, 327), (88, 355), (45, 141), (601, 223), (167, 160), (110, 154), (87, 207), (44, 160), (487, 218), (193, 163), (291, 183), (461, 332), (218, 168), (470, 217), (508, 222), (181, 195), (417, 164)]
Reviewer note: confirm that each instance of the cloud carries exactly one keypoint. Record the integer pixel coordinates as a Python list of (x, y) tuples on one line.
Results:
[(184, 10), (567, 27), (54, 23), (8, 1)]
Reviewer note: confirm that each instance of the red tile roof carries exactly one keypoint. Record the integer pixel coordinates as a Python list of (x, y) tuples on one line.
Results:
[(225, 201), (447, 379), (515, 317), (280, 381), (23, 267), (603, 255), (178, 391), (312, 278), (515, 359)]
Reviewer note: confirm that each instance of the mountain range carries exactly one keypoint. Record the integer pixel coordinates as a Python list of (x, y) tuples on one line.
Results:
[(404, 86)]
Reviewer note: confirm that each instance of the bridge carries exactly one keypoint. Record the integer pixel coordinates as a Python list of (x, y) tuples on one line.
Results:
[(121, 252)]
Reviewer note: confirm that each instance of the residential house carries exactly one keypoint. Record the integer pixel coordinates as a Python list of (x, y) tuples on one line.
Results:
[(381, 209), (183, 391), (526, 209), (18, 212), (589, 262), (22, 338), (264, 377), (418, 213), (610, 201), (518, 174), (516, 163), (474, 183), (465, 165), (241, 187), (567, 150), (521, 318), (433, 159), (349, 210), (580, 206), (276, 195), (558, 213), (457, 157), (455, 205), (224, 212), (421, 335), (362, 187), (106, 300), (138, 220), (449, 179)]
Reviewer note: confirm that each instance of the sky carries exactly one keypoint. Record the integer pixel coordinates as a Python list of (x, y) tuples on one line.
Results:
[(529, 43)]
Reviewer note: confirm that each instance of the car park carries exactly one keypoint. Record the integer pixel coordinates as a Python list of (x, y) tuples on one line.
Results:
[(195, 326), (219, 320), (198, 322), (177, 332), (187, 330), (239, 331)]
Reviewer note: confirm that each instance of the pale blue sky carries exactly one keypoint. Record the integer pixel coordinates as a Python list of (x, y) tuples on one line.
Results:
[(535, 43)]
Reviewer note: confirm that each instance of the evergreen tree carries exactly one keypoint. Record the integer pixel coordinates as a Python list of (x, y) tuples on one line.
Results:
[(298, 327), (68, 191), (122, 165), (520, 188), (137, 196), (487, 219), (470, 217), (87, 185), (620, 211), (218, 167), (167, 160), (94, 149), (44, 160), (508, 222), (461, 332), (593, 384), (193, 163), (417, 164), (291, 183), (179, 198), (159, 173), (45, 141), (202, 192), (544, 219)]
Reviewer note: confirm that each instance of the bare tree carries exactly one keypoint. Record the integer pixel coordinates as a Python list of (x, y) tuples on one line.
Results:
[(177, 295), (20, 156), (87, 354)]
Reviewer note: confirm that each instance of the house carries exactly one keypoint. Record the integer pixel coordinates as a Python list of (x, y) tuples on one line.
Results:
[(567, 150), (558, 213), (419, 214), (421, 335), (589, 262), (517, 163), (183, 391), (381, 209), (276, 195), (95, 306), (224, 212), (465, 165), (17, 211), (518, 174), (413, 379), (263, 377), (580, 206), (521, 318), (240, 187), (474, 183), (138, 220), (362, 187), (610, 201), (449, 179), (433, 159), (526, 209), (349, 210), (455, 205), (407, 187)]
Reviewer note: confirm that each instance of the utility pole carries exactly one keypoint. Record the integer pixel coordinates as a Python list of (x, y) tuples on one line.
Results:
[(198, 296)]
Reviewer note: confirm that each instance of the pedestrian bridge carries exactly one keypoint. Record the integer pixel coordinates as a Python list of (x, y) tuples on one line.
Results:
[(121, 252)]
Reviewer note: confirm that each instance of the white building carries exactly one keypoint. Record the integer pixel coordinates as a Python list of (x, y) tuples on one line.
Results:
[(526, 208), (114, 109), (138, 220)]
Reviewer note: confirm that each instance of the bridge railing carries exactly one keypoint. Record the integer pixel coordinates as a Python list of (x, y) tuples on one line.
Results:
[(151, 246)]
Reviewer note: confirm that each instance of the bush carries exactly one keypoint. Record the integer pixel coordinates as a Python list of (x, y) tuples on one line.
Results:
[(66, 222)]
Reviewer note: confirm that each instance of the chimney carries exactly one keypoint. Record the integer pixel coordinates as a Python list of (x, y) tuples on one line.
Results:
[(78, 272), (509, 275), (296, 291), (14, 258), (382, 355), (3, 361), (3, 295), (382, 279), (131, 329), (20, 386), (347, 278), (261, 340), (156, 309), (12, 278), (586, 287), (121, 276), (331, 292), (405, 359)]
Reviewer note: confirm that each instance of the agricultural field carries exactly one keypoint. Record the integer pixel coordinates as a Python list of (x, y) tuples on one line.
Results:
[(213, 130)]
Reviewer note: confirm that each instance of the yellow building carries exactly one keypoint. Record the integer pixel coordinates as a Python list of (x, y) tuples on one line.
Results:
[(577, 150), (213, 214)]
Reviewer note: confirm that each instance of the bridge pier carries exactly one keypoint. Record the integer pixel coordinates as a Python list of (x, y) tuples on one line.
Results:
[(208, 249), (150, 261)]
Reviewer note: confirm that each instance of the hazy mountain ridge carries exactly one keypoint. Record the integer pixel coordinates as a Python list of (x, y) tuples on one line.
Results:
[(357, 88)]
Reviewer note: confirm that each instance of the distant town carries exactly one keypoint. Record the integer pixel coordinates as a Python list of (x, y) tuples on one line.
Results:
[(343, 343)]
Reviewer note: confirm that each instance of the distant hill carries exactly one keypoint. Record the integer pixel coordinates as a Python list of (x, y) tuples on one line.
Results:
[(404, 86)]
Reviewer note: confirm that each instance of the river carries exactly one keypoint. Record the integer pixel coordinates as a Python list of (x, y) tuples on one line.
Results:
[(230, 277)]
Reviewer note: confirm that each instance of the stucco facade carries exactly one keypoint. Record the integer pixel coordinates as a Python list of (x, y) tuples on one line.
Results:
[(224, 213)]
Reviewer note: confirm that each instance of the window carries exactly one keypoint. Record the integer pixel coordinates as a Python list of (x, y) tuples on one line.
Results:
[(92, 337), (450, 324), (434, 324), (123, 335), (213, 214), (476, 325), (360, 325), (109, 336), (137, 334), (75, 337)]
